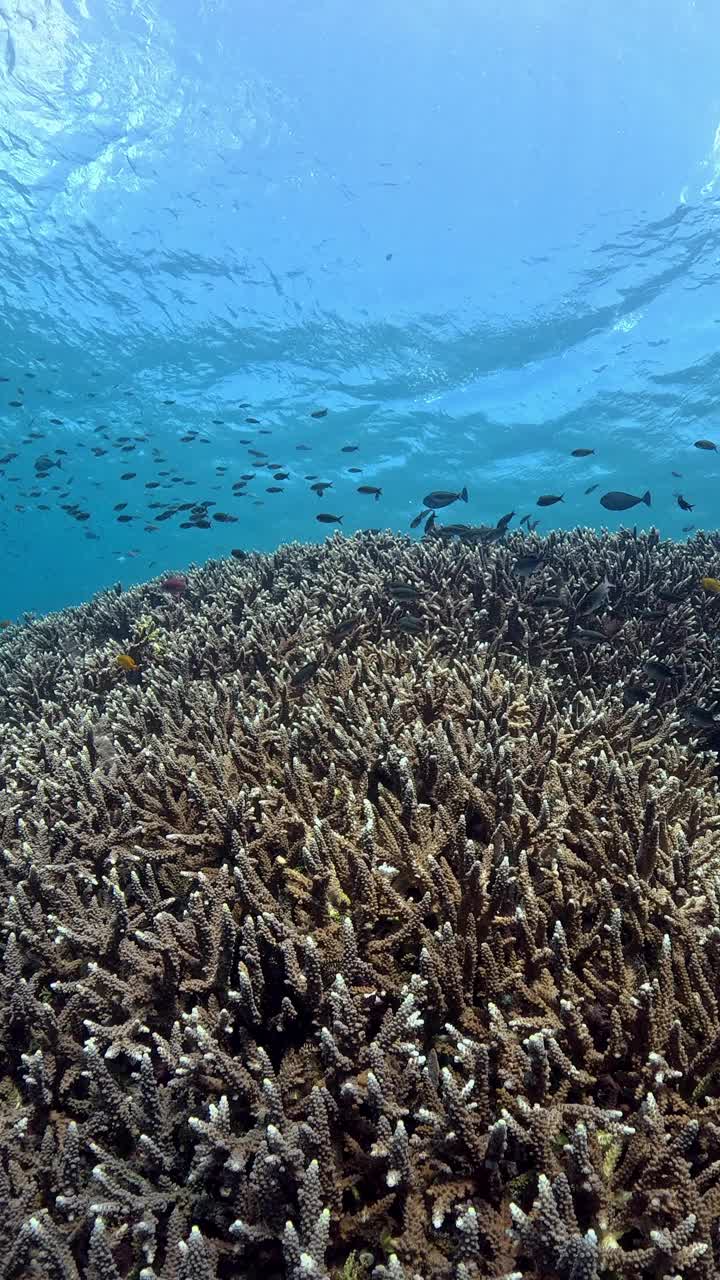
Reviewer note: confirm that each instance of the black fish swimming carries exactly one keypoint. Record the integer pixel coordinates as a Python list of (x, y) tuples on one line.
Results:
[(683, 504), (549, 499), (370, 488), (526, 565), (705, 444), (325, 518), (442, 498), (418, 519), (581, 453), (592, 489), (616, 500)]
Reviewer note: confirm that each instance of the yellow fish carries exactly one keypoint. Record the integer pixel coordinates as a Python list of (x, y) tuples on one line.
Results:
[(711, 584), (129, 664)]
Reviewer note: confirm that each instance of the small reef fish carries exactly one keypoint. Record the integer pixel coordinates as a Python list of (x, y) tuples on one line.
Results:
[(700, 716), (581, 453), (592, 489), (319, 413), (635, 693), (711, 584), (595, 598), (403, 591), (411, 625), (126, 662), (305, 673), (370, 488), (658, 670), (430, 522), (175, 584), (616, 500), (418, 519), (549, 499), (705, 444), (325, 518), (443, 497), (504, 521), (526, 565), (683, 504)]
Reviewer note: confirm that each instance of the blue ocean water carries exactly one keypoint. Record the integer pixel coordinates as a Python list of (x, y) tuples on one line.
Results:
[(481, 236)]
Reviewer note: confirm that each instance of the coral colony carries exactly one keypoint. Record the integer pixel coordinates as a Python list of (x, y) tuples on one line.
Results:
[(340, 946)]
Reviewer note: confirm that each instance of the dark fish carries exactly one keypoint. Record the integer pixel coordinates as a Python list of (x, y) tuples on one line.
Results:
[(525, 520), (592, 489), (504, 521), (238, 554), (658, 670), (168, 402), (320, 486), (430, 522), (683, 505), (303, 674), (688, 528), (676, 474), (700, 716), (699, 444), (442, 498), (281, 475), (223, 518), (120, 506), (548, 602), (57, 422), (128, 475), (123, 519), (635, 693), (674, 597), (355, 471), (586, 637), (595, 598), (275, 488), (581, 453), (411, 625), (254, 421), (403, 591), (418, 519), (16, 404), (326, 518), (369, 488), (344, 629), (350, 448), (616, 500), (319, 413), (303, 448), (549, 499), (526, 565)]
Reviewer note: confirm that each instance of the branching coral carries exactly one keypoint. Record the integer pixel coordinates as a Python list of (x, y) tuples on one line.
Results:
[(407, 968)]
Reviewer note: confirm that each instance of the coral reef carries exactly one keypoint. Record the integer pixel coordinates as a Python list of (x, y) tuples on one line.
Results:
[(339, 946)]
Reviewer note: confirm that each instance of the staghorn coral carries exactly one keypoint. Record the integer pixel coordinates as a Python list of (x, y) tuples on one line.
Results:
[(406, 966)]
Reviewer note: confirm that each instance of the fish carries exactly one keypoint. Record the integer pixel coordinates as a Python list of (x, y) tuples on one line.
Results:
[(120, 506), (305, 673), (281, 475), (128, 475), (525, 520), (504, 521), (350, 448), (586, 637), (676, 474), (683, 504), (344, 629), (581, 453), (699, 444), (237, 553), (673, 597), (442, 498), (320, 486), (592, 489), (701, 717), (126, 662), (418, 519), (275, 488), (430, 522), (403, 591), (319, 413), (370, 488), (175, 584), (688, 528), (711, 584), (635, 693), (616, 500), (411, 625), (549, 499), (658, 670), (595, 598), (524, 566), (325, 518)]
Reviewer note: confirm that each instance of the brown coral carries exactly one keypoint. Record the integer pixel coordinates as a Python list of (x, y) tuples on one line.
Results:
[(407, 967)]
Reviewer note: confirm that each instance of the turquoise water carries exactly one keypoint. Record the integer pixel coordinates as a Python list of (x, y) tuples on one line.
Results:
[(480, 240)]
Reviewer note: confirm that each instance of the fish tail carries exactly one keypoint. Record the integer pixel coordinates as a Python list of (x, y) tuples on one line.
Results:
[(377, 495), (464, 496), (646, 497)]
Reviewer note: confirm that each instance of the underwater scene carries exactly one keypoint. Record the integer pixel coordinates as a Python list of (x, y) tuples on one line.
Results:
[(359, 635)]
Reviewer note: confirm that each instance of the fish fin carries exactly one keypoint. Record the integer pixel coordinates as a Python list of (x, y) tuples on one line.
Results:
[(646, 497), (464, 496)]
